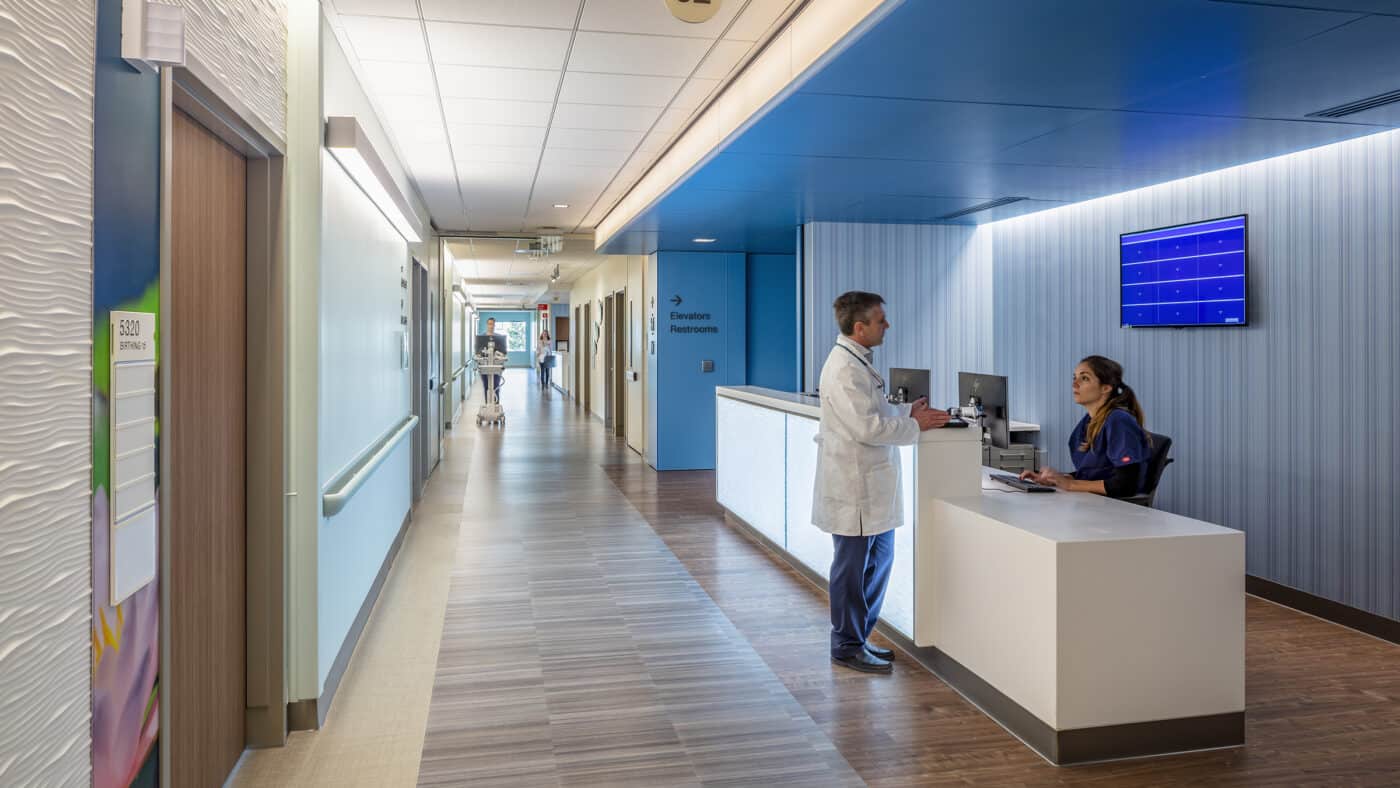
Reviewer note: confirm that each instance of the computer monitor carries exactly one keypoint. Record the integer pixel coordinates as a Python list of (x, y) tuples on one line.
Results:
[(914, 382), (990, 392), (483, 339)]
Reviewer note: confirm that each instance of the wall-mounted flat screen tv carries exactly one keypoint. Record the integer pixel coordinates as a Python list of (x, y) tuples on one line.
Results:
[(1185, 275)]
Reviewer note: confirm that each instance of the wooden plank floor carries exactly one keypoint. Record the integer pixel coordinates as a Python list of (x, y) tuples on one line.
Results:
[(624, 634), (1323, 701), (576, 649)]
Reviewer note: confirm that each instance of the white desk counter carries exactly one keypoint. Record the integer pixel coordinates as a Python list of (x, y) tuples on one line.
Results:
[(1090, 628)]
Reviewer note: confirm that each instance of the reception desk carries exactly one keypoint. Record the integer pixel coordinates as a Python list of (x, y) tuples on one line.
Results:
[(1090, 628)]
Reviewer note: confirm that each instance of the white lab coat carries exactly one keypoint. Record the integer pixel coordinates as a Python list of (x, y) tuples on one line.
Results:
[(859, 491), (541, 349)]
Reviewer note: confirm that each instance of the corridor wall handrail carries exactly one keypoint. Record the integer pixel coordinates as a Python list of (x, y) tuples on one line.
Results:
[(459, 372), (343, 487)]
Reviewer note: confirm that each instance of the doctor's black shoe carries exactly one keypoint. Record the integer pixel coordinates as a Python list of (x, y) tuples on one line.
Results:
[(864, 662), (880, 653)]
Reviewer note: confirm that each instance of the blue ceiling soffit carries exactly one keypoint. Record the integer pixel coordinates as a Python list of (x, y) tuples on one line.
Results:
[(942, 106)]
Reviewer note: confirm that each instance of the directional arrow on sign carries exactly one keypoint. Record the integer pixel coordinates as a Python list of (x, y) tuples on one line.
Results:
[(676, 300)]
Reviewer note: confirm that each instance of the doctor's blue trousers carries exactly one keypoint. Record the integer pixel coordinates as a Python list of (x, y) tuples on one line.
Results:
[(860, 572)]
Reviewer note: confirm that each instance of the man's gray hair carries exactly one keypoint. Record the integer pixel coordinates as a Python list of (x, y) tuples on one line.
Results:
[(854, 307)]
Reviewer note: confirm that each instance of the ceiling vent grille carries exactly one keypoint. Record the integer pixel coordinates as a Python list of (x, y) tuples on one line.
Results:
[(1360, 105), (986, 206)]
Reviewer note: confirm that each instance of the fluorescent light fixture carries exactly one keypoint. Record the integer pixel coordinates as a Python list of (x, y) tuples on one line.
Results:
[(347, 142), (703, 240), (561, 205)]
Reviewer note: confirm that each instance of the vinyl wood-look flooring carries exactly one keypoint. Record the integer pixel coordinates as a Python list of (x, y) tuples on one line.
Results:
[(576, 648), (1323, 702), (605, 625)]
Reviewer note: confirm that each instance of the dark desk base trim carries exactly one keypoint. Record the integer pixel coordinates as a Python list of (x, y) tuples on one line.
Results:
[(1061, 748), (1351, 617)]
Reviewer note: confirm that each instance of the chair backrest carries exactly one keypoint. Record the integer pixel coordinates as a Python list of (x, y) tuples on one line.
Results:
[(1161, 448)]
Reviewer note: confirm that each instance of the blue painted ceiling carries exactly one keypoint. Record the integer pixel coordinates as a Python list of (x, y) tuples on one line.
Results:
[(945, 104)]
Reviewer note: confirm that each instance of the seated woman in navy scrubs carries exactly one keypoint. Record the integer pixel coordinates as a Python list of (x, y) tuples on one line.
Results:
[(1110, 447)]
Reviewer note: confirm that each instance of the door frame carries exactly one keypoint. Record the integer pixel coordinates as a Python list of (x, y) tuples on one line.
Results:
[(196, 92), (617, 340), (588, 359), (609, 362), (418, 275)]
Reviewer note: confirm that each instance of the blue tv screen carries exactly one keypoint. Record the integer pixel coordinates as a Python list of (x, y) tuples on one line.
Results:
[(1185, 275)]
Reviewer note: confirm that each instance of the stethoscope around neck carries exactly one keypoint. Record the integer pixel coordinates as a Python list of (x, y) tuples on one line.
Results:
[(879, 380)]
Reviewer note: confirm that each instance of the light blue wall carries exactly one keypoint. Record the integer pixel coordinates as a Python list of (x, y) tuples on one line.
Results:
[(937, 285), (515, 358), (1284, 429), (772, 309), (684, 396), (364, 393)]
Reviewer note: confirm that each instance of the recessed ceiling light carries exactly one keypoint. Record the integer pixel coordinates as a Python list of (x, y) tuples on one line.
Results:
[(703, 240), (561, 205)]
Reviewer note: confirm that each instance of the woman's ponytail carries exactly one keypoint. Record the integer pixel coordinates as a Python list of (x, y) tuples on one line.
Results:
[(1110, 373)]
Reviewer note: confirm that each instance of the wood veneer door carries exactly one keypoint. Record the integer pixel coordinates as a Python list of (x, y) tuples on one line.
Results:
[(588, 333), (619, 365), (609, 395), (207, 346)]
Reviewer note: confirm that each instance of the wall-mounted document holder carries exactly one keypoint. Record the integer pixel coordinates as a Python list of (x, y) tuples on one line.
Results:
[(132, 419)]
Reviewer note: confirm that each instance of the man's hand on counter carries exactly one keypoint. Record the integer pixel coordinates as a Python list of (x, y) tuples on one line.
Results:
[(928, 418)]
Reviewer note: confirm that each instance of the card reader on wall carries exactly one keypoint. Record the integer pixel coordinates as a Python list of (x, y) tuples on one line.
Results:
[(707, 365)]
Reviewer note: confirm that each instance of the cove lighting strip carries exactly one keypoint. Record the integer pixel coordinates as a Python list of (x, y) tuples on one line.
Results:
[(346, 141), (816, 34)]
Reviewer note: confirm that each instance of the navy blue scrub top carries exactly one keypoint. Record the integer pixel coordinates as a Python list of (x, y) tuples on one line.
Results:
[(1122, 441)]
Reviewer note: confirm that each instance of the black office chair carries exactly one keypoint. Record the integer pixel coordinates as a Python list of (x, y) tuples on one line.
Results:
[(1161, 447)]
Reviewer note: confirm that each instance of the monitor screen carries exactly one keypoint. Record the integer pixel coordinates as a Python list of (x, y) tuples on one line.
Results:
[(1187, 275)]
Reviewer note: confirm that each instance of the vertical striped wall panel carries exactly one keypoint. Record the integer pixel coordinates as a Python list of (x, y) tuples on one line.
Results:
[(46, 111), (1285, 429), (936, 280)]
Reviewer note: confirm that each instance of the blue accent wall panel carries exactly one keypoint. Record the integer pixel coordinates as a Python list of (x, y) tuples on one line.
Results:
[(707, 324), (772, 317), (1284, 429), (937, 285)]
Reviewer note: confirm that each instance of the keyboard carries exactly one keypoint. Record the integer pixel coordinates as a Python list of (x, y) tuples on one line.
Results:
[(1021, 484)]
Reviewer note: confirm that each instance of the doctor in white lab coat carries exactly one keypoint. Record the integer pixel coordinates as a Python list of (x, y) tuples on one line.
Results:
[(858, 497)]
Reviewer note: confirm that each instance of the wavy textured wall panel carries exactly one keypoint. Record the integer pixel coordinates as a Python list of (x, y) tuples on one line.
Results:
[(244, 42), (1284, 429), (937, 284), (46, 67)]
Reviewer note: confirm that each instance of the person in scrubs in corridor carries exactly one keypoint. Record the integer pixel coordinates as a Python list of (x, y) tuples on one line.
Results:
[(859, 496)]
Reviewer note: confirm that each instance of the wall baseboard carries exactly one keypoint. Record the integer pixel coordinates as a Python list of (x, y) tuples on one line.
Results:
[(1326, 609), (310, 714)]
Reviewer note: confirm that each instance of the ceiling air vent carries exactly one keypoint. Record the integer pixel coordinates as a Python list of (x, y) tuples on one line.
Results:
[(1360, 105), (986, 206)]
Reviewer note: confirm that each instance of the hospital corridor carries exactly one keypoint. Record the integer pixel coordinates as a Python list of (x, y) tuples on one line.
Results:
[(699, 393)]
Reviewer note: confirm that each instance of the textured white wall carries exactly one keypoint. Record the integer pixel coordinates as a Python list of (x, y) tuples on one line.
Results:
[(244, 43), (45, 390)]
